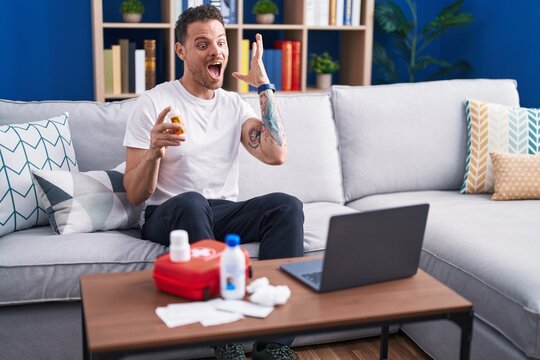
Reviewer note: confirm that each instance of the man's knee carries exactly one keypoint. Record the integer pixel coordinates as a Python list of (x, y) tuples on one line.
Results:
[(289, 202), (190, 203)]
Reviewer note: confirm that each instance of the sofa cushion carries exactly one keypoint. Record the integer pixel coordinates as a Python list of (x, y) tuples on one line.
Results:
[(44, 144), (38, 266), (496, 128), (312, 171), (97, 128), (408, 137), (86, 201), (517, 176), (485, 250)]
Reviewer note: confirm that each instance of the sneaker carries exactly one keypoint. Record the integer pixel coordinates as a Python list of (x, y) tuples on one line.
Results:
[(273, 351), (230, 352)]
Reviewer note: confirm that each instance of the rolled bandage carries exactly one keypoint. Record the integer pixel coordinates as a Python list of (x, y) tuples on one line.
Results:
[(271, 295), (257, 283)]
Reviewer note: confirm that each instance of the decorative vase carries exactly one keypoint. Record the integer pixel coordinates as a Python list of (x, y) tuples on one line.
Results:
[(265, 18), (132, 18), (324, 81)]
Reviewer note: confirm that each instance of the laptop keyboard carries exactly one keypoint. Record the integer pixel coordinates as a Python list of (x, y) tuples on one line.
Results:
[(314, 277)]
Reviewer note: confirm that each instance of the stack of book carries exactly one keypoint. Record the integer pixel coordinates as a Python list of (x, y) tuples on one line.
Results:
[(282, 63), (333, 12), (129, 70)]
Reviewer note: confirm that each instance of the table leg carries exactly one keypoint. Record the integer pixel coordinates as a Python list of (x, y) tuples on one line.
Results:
[(465, 322), (384, 342), (86, 355)]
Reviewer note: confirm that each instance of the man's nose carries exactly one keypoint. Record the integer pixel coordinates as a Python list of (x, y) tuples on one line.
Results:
[(215, 50)]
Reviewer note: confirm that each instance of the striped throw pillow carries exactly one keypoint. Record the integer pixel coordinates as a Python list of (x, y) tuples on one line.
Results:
[(496, 128)]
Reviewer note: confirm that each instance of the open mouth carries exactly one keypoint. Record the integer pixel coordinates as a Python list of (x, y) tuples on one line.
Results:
[(215, 70)]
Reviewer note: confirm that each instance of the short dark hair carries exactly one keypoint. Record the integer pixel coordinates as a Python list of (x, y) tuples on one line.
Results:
[(193, 14)]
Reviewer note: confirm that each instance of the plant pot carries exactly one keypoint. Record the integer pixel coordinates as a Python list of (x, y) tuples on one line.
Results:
[(324, 81), (265, 18), (132, 18)]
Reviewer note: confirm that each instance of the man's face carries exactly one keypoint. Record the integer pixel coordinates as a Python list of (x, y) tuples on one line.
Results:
[(205, 53)]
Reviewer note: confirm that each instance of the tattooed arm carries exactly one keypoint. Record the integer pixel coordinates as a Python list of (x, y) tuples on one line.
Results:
[(264, 139)]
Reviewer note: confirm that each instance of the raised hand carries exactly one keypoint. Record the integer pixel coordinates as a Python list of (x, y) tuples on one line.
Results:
[(257, 72)]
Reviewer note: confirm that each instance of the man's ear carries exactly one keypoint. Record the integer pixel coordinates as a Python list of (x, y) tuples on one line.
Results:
[(180, 50)]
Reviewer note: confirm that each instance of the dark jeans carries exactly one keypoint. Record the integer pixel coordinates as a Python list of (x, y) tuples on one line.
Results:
[(275, 220)]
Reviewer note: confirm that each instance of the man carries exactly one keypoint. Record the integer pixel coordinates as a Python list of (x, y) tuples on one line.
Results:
[(190, 181)]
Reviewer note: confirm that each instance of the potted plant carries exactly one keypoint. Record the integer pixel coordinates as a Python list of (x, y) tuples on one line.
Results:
[(324, 66), (132, 10), (265, 11), (409, 41)]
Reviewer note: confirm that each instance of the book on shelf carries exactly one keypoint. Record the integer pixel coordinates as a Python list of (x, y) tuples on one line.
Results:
[(296, 73), (140, 76), (124, 64), (347, 12), (340, 5), (356, 10), (323, 12), (332, 12), (244, 63), (310, 12), (116, 69), (291, 64), (178, 8), (131, 67), (108, 70), (277, 69), (229, 11), (150, 63)]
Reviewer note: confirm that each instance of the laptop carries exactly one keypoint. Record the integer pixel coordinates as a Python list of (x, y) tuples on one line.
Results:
[(366, 248)]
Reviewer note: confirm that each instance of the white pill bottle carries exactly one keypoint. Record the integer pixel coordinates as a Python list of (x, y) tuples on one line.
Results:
[(179, 249), (232, 269)]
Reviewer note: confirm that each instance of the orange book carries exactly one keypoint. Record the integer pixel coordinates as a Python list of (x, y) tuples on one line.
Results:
[(286, 63), (296, 65)]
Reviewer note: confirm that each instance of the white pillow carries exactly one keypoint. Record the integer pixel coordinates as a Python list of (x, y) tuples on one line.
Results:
[(89, 201), (25, 147)]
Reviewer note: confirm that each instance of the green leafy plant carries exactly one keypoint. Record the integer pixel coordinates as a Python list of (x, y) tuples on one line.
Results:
[(265, 7), (411, 42), (132, 7), (323, 63)]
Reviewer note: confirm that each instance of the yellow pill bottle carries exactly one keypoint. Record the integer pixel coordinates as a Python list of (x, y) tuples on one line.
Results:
[(177, 119)]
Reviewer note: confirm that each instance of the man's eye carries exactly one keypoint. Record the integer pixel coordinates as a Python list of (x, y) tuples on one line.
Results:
[(222, 43), (201, 46)]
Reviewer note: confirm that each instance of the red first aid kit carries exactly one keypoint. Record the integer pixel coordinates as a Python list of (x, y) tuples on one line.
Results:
[(198, 278)]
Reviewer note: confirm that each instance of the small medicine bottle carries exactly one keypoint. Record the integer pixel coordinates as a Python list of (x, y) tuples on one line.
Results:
[(179, 250), (177, 119)]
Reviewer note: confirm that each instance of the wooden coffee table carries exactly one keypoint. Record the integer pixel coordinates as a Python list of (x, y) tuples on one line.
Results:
[(119, 312)]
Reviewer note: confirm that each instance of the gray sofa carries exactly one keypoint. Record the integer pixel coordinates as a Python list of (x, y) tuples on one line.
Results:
[(354, 149)]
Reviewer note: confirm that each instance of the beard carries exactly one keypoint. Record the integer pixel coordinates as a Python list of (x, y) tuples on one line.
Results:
[(201, 75)]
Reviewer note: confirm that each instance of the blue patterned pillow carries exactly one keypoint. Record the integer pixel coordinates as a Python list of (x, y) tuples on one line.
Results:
[(78, 202), (25, 147)]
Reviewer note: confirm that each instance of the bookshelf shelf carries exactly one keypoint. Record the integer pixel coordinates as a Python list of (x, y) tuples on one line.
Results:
[(354, 42)]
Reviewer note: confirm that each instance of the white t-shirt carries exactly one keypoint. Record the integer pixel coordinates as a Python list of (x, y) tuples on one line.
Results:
[(207, 162)]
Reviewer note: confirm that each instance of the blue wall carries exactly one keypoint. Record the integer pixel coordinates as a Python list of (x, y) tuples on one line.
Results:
[(46, 46), (46, 50)]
